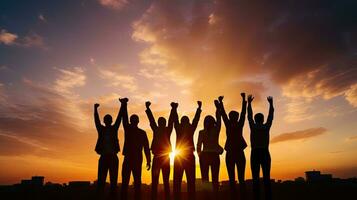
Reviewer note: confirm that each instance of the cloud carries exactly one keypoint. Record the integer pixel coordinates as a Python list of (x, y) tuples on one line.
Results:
[(306, 49), (24, 146), (298, 135), (334, 79), (33, 40), (69, 79), (125, 81), (42, 18), (47, 119), (114, 4), (7, 38), (352, 138), (30, 40)]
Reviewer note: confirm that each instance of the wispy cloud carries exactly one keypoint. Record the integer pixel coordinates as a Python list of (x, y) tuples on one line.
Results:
[(42, 18), (352, 138), (7, 38), (114, 4), (30, 40), (125, 81), (299, 135), (68, 79), (33, 40)]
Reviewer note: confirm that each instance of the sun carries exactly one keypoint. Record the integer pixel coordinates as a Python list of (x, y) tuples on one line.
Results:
[(172, 155)]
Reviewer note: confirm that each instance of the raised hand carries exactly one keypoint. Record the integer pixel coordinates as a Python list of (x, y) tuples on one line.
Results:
[(148, 166), (243, 95), (199, 103), (250, 98), (124, 100), (270, 99), (147, 104), (96, 105), (220, 98), (216, 103)]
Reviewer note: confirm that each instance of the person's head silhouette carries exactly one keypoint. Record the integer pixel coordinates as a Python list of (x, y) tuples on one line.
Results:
[(185, 120), (134, 120), (209, 122), (108, 120), (162, 122), (233, 116), (259, 118)]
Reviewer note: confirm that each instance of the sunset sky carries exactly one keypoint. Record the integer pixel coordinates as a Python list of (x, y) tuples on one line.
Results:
[(58, 58)]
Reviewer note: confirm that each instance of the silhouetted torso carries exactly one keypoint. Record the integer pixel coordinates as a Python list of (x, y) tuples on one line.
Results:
[(259, 136), (107, 140), (135, 141), (185, 132), (209, 140), (161, 140), (234, 131), (235, 140), (184, 138)]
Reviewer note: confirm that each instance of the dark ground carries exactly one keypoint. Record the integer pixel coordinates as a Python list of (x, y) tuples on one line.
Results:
[(288, 190)]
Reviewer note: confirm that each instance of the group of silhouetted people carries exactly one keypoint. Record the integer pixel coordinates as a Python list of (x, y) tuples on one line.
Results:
[(208, 149)]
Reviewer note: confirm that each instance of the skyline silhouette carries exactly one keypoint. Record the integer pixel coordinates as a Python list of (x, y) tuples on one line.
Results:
[(292, 189)]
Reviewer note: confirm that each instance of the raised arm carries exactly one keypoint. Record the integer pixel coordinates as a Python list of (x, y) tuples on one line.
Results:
[(223, 111), (175, 116), (218, 115), (152, 121), (124, 106), (250, 111), (147, 152), (271, 111), (196, 119), (118, 119), (170, 124), (98, 125), (244, 109)]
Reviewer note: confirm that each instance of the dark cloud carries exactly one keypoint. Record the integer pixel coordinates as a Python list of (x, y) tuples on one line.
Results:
[(299, 135), (240, 39)]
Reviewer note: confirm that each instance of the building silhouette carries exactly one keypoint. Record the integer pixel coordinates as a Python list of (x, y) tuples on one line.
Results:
[(316, 176), (35, 181)]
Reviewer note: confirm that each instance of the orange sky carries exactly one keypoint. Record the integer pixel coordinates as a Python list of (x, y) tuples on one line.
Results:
[(57, 59)]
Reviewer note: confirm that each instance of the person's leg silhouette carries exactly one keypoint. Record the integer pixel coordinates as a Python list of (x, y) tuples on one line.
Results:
[(191, 176), (137, 178), (215, 172), (103, 167), (166, 176), (204, 166), (178, 173), (241, 162), (125, 173), (255, 167), (113, 173), (231, 173), (266, 165), (155, 173)]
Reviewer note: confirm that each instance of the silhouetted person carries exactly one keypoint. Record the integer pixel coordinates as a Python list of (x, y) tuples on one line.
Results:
[(209, 155), (161, 148), (134, 143), (107, 147), (185, 160), (235, 145), (259, 139)]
